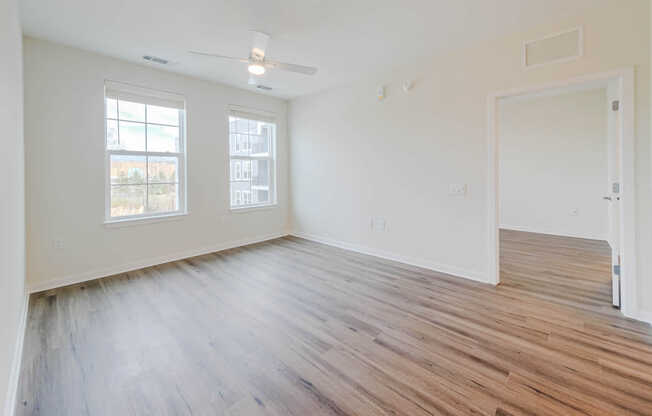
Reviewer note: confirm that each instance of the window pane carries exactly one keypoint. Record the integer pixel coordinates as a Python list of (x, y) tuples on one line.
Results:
[(163, 198), (235, 147), (132, 136), (260, 141), (111, 108), (127, 200), (127, 169), (240, 125), (250, 182), (131, 111), (162, 115), (260, 196), (253, 126), (237, 171), (260, 174), (251, 179), (112, 141), (163, 169), (162, 139), (250, 137), (239, 144), (246, 169), (238, 191)]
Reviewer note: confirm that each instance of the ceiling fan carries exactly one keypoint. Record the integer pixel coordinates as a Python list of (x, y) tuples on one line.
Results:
[(258, 63)]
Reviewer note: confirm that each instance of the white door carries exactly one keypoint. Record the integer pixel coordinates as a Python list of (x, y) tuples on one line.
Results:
[(613, 191), (614, 218)]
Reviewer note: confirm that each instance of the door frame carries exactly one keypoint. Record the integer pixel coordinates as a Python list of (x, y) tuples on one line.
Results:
[(625, 79)]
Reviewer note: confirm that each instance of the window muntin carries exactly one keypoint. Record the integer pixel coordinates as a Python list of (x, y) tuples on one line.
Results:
[(145, 154), (251, 152)]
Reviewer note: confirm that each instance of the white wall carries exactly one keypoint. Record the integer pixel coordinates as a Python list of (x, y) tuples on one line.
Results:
[(64, 139), (12, 199), (553, 163), (353, 157)]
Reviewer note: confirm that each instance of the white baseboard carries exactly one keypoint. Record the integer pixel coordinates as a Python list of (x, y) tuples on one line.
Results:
[(14, 376), (426, 264), (645, 316), (548, 232), (141, 264)]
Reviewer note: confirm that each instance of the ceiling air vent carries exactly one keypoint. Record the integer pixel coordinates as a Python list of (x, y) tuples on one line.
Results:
[(155, 59), (264, 87), (558, 47)]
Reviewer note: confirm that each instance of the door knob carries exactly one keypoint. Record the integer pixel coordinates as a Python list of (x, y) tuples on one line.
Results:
[(607, 198)]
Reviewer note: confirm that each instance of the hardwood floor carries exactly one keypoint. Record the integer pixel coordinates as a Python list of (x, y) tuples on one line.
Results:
[(573, 271), (291, 327)]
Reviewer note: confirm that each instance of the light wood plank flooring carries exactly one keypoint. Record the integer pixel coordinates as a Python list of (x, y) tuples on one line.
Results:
[(573, 271), (291, 327)]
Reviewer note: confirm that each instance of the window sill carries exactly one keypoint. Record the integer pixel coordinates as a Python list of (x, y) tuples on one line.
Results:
[(253, 208), (144, 220)]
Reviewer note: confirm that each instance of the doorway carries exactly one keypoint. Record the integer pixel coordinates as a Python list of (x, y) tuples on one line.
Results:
[(547, 204)]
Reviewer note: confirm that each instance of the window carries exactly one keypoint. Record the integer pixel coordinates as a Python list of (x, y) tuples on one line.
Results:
[(252, 165), (145, 152)]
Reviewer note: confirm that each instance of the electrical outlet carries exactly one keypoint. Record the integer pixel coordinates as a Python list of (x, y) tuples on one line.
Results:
[(457, 189), (57, 244)]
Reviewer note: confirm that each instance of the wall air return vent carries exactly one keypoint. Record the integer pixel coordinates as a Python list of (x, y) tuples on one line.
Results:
[(559, 47), (155, 59)]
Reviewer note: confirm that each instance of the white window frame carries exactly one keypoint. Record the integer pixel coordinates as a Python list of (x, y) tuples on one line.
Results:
[(129, 92), (257, 115)]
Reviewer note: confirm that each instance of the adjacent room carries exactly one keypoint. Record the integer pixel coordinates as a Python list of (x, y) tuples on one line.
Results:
[(557, 195), (326, 207)]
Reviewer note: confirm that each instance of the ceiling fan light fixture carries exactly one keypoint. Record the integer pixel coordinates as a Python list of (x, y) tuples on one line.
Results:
[(256, 69)]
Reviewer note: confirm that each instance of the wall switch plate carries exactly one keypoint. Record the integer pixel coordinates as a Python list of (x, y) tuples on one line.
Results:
[(57, 244), (457, 189), (378, 224)]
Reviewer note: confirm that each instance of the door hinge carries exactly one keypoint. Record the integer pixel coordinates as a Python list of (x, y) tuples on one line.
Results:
[(617, 269), (615, 105)]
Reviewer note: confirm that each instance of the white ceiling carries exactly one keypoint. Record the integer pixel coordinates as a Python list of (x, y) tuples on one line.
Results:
[(343, 38)]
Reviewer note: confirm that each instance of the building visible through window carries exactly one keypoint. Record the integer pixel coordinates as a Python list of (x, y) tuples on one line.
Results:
[(251, 148)]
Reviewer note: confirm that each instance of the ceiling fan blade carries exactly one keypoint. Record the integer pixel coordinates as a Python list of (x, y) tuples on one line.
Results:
[(307, 70), (213, 55)]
